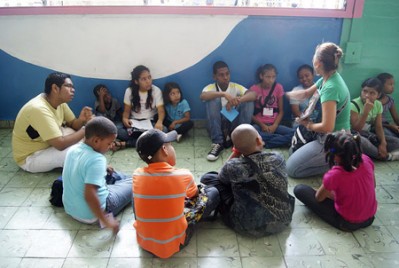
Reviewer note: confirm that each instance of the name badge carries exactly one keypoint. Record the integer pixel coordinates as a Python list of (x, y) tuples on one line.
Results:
[(267, 111)]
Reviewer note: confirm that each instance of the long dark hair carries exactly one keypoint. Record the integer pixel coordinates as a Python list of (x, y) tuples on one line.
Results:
[(346, 146), (168, 88), (137, 71)]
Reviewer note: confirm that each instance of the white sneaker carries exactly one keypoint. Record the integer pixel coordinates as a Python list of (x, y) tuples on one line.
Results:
[(393, 156), (214, 152), (179, 137)]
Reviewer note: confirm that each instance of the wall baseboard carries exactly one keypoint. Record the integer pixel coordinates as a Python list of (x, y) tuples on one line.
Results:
[(7, 123)]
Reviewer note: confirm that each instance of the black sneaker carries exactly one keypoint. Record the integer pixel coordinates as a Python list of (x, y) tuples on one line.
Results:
[(214, 152)]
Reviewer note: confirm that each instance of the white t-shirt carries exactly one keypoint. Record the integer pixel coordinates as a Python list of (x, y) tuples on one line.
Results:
[(234, 89), (144, 113)]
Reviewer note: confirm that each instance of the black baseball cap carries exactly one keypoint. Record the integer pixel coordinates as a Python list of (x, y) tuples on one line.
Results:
[(151, 141)]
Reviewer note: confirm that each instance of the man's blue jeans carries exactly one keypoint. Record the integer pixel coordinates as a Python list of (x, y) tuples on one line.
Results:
[(281, 137), (213, 108), (120, 195)]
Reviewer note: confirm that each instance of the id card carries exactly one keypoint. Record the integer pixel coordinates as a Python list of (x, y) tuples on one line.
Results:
[(267, 111), (107, 216)]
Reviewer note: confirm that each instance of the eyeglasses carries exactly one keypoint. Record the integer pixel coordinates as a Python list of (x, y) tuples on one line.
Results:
[(68, 85)]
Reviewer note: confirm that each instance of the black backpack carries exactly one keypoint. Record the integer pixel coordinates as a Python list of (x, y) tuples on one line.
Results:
[(56, 193), (302, 136)]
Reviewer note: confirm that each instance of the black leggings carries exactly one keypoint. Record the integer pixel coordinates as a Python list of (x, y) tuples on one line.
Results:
[(326, 210), (182, 129)]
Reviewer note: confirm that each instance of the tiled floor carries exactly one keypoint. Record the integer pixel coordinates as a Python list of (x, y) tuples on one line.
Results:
[(35, 234)]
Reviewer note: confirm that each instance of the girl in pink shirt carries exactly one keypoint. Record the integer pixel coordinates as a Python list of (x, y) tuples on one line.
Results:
[(346, 199), (269, 109)]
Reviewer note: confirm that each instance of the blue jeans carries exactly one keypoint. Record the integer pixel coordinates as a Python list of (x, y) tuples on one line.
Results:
[(281, 137), (120, 195), (371, 150), (309, 160), (389, 132), (214, 117)]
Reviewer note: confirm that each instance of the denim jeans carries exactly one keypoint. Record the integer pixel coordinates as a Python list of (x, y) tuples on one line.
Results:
[(281, 137), (309, 160), (214, 117), (120, 195), (372, 151), (389, 132)]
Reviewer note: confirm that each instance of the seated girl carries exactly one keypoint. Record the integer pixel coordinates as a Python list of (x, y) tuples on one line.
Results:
[(142, 101), (269, 109)]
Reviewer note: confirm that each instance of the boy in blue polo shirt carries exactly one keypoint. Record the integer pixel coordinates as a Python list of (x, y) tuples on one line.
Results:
[(87, 197)]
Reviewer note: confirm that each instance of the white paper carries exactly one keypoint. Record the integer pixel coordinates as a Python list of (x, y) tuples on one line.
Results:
[(141, 124)]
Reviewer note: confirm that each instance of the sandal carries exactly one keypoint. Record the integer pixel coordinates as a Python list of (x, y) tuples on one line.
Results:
[(118, 145)]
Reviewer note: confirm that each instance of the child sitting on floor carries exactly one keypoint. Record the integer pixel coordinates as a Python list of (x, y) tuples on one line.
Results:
[(159, 196), (87, 197), (346, 199), (177, 110), (269, 109)]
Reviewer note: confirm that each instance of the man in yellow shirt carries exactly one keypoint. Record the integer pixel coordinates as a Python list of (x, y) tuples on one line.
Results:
[(46, 127)]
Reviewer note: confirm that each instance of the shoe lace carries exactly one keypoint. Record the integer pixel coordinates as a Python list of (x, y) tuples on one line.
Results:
[(215, 149)]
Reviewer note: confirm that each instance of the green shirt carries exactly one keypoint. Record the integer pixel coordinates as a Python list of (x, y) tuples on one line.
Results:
[(335, 89), (370, 121)]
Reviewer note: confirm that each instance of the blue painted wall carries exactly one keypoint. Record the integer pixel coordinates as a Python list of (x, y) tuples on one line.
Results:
[(286, 42)]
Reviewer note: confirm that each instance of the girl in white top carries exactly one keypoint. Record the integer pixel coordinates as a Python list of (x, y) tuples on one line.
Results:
[(142, 100)]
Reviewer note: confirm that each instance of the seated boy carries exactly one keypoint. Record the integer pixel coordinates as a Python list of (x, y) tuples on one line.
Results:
[(105, 104), (366, 118), (87, 197), (159, 196), (258, 181)]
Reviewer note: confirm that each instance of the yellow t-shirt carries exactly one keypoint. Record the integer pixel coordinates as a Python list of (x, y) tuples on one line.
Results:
[(36, 123)]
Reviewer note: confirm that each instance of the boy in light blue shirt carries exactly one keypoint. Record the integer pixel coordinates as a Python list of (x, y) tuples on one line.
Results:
[(86, 196)]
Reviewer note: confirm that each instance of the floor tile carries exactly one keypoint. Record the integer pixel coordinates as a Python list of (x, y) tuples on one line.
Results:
[(15, 243), (328, 261), (59, 220), (51, 243), (86, 262), (5, 177), (174, 262), (128, 263), (377, 239), (300, 241), (39, 197), (41, 263), (126, 246), (8, 164), (336, 242), (221, 262), (30, 218), (92, 243), (10, 262), (267, 246), (266, 262), (388, 214), (6, 214), (217, 242), (14, 196)]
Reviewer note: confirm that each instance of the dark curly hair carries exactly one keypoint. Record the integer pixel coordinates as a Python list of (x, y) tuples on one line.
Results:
[(346, 146)]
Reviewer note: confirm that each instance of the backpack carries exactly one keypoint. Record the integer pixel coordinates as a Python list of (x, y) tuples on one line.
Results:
[(56, 192), (302, 136)]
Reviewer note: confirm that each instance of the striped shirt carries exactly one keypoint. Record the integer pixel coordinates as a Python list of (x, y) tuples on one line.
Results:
[(159, 191)]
